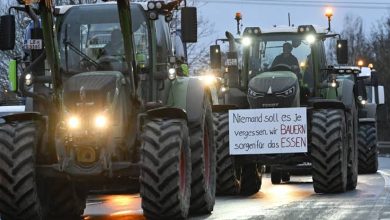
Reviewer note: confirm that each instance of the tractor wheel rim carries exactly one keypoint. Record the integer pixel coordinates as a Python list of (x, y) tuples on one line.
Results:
[(206, 154), (182, 172)]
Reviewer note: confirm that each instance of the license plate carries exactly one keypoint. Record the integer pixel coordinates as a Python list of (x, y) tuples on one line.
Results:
[(33, 44)]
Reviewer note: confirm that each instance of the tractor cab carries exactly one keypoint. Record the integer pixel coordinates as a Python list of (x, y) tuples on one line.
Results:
[(95, 42), (278, 63)]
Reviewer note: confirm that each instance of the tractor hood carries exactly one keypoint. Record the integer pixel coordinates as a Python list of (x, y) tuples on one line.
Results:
[(273, 82), (273, 89), (94, 89)]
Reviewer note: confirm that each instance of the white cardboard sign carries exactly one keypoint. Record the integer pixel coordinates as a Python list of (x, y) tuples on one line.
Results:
[(267, 131)]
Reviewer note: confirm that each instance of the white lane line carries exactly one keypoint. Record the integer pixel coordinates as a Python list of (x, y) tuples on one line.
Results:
[(386, 176)]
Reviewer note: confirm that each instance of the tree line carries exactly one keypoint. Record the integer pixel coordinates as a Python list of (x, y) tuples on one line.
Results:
[(374, 48)]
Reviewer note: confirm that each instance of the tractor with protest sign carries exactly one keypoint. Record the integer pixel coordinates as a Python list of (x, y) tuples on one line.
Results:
[(110, 113), (298, 110)]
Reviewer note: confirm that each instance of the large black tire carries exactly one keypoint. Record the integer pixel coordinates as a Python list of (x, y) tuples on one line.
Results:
[(329, 151), (203, 155), (23, 193), (250, 179), (368, 152), (165, 178), (228, 179), (352, 170), (65, 198), (286, 176)]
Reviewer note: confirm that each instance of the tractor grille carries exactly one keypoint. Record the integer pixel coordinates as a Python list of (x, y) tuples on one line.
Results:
[(271, 101)]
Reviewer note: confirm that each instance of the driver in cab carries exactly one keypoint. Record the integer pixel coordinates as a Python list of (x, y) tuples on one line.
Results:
[(112, 55), (115, 46), (287, 58)]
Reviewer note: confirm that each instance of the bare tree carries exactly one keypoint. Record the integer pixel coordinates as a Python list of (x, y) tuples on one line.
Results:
[(358, 44), (198, 53), (374, 49), (357, 41), (380, 42)]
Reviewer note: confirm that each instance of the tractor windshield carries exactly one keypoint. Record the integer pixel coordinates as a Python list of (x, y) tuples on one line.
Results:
[(93, 41), (279, 52)]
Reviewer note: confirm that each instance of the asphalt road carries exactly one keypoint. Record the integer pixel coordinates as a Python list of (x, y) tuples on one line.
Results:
[(295, 200)]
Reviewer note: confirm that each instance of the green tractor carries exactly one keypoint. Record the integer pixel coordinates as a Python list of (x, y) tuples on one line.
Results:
[(285, 77), (110, 114), (370, 95), (367, 133), (232, 178)]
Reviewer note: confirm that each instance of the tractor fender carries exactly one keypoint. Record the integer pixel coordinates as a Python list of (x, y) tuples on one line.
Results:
[(196, 92), (347, 93), (21, 116), (167, 112), (368, 111), (367, 121), (187, 94), (327, 104), (223, 108)]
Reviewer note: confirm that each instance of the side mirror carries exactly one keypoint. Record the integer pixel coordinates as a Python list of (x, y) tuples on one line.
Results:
[(7, 32), (189, 25), (215, 57), (342, 51), (374, 78), (13, 75)]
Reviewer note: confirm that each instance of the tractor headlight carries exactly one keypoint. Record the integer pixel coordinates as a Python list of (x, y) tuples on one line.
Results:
[(153, 15), (73, 122), (246, 41), (208, 79), (28, 79), (172, 74), (363, 102), (151, 5), (158, 5), (287, 92), (333, 83), (101, 121), (310, 38), (254, 94)]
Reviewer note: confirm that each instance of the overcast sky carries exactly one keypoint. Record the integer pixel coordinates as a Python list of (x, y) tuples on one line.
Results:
[(261, 13)]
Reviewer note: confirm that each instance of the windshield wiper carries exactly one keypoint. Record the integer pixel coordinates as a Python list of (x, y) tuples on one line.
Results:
[(80, 53)]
